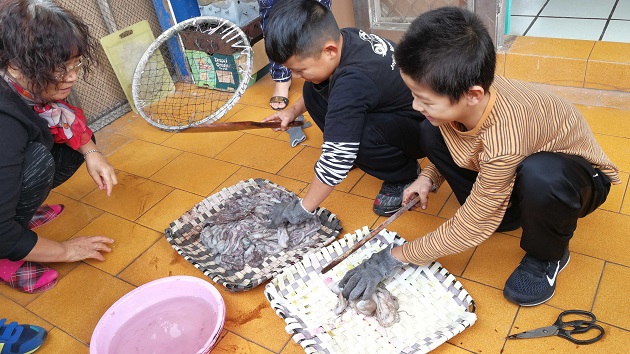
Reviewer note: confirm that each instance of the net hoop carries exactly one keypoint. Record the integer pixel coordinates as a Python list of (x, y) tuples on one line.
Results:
[(230, 34)]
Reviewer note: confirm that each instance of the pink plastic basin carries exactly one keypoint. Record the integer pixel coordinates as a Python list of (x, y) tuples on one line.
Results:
[(179, 314)]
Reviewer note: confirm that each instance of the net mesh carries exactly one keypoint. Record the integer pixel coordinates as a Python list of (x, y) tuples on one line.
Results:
[(194, 73)]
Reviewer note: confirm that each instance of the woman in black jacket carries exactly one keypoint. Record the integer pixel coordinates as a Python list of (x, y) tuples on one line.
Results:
[(43, 139)]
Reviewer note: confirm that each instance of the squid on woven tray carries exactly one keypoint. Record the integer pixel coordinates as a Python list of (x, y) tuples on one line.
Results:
[(237, 235), (382, 305)]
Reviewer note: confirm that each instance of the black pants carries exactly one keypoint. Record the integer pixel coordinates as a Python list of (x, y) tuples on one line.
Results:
[(552, 190), (44, 170), (390, 146)]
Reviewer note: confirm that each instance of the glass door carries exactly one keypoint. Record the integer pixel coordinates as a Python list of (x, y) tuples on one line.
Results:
[(390, 18)]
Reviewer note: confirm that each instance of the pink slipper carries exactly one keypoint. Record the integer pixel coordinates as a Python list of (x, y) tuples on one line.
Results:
[(26, 276), (45, 214)]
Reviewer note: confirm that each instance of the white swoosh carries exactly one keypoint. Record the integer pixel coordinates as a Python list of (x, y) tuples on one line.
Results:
[(553, 280)]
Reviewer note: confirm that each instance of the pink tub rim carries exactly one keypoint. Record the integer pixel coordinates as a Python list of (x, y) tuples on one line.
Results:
[(151, 293)]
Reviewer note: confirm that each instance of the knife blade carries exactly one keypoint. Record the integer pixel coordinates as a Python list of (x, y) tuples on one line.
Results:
[(371, 235), (236, 126)]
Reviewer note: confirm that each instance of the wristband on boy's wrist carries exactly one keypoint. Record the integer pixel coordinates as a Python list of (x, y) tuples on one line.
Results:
[(91, 151), (302, 205), (391, 253)]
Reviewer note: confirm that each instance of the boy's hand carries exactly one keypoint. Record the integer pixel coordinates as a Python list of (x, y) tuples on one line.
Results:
[(361, 281), (421, 186), (284, 117), (291, 212)]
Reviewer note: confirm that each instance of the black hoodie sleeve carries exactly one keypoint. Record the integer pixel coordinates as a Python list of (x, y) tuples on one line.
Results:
[(18, 127)]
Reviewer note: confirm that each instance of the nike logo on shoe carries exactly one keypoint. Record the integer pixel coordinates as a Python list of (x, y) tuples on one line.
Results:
[(551, 281), (595, 175)]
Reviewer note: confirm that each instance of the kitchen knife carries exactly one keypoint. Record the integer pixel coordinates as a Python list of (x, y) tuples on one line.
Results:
[(371, 235)]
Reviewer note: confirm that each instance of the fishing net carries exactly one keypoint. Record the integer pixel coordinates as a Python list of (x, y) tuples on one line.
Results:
[(192, 74)]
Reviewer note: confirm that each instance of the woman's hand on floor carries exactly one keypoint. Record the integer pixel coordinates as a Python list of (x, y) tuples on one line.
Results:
[(101, 171), (84, 247)]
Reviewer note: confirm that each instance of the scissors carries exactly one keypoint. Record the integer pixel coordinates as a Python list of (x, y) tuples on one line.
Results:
[(567, 329)]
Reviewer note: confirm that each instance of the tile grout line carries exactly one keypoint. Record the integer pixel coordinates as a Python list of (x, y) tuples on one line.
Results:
[(535, 18), (599, 283), (285, 345), (468, 262), (457, 346), (25, 306), (445, 202), (625, 195), (246, 339), (87, 345), (518, 310), (181, 152), (44, 319), (134, 260), (587, 64), (608, 20)]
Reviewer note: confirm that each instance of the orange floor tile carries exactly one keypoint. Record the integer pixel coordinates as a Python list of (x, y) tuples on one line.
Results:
[(161, 175)]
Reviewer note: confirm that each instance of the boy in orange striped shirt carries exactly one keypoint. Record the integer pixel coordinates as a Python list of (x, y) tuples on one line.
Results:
[(514, 155)]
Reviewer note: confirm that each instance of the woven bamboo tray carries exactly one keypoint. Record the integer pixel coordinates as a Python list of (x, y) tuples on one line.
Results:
[(183, 235), (434, 306)]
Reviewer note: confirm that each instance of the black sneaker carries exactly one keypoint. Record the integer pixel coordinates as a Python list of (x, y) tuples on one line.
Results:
[(534, 281), (389, 198)]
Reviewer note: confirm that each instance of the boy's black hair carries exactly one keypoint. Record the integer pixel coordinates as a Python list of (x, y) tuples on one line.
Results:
[(38, 37), (449, 50), (300, 28)]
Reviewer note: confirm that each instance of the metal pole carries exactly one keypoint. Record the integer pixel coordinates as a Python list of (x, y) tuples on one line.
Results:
[(108, 16)]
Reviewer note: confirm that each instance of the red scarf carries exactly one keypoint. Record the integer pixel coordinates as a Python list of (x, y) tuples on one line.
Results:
[(66, 123)]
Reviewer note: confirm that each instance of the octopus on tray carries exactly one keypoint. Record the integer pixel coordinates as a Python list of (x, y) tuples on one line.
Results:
[(382, 305), (237, 235)]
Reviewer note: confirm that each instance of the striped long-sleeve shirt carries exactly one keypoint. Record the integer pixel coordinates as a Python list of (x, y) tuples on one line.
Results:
[(520, 120), (335, 162)]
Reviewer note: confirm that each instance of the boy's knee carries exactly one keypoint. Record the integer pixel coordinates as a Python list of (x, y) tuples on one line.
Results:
[(541, 179), (382, 129), (373, 136)]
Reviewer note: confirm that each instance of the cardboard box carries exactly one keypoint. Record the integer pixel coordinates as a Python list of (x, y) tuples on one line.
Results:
[(260, 57)]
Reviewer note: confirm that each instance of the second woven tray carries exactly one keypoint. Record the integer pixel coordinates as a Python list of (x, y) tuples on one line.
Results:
[(184, 232), (434, 306)]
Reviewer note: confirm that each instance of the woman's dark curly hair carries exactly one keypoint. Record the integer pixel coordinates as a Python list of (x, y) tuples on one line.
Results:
[(38, 37)]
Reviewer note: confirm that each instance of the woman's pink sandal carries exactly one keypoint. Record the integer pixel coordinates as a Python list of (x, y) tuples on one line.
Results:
[(26, 276), (45, 214)]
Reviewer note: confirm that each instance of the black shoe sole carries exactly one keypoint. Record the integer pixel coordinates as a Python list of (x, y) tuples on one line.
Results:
[(529, 304), (385, 213)]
